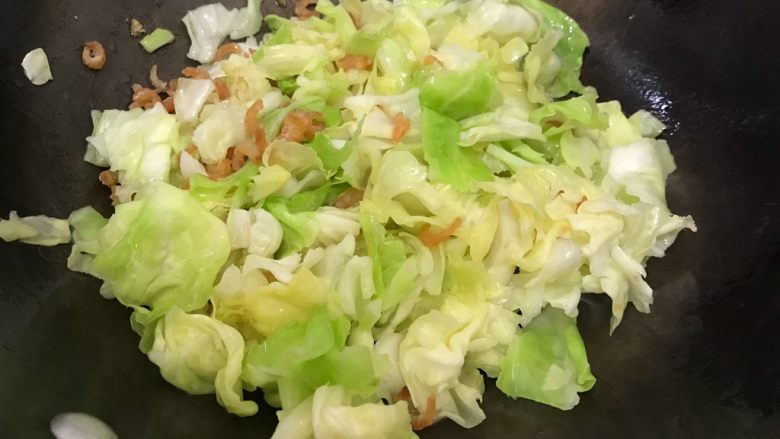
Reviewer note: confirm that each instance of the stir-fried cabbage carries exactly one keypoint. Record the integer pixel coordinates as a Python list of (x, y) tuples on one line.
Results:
[(36, 67), (37, 230), (391, 200), (210, 24)]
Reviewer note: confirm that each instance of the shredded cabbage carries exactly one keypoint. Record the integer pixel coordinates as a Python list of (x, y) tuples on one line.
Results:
[(36, 67), (422, 198), (210, 24), (37, 230)]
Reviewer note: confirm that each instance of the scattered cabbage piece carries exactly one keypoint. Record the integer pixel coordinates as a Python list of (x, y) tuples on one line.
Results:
[(284, 60), (259, 311), (450, 163), (569, 49), (577, 112), (221, 127), (298, 217), (199, 355), (189, 166), (136, 144), (505, 123), (269, 181), (458, 94), (80, 426), (501, 21), (36, 230), (87, 223), (247, 82), (161, 251), (209, 25), (547, 362), (641, 169), (190, 96), (248, 21), (647, 124), (36, 67), (232, 191), (304, 356), (333, 413), (402, 192), (331, 156), (257, 231)]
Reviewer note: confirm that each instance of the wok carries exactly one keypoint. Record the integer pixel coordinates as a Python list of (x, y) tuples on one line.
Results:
[(705, 363)]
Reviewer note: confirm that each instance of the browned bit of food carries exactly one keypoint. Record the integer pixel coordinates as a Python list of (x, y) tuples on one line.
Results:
[(114, 197), (172, 84), (250, 150), (224, 51), (260, 140), (302, 10), (220, 170), (136, 28), (195, 73), (223, 92), (145, 98), (432, 239), (430, 59), (108, 178), (155, 80), (301, 126), (355, 21), (355, 62), (93, 55), (403, 395), (250, 119), (579, 203), (401, 126), (168, 104), (237, 158), (349, 198), (427, 417)]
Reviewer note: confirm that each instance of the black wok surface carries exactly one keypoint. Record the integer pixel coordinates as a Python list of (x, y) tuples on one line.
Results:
[(705, 363)]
